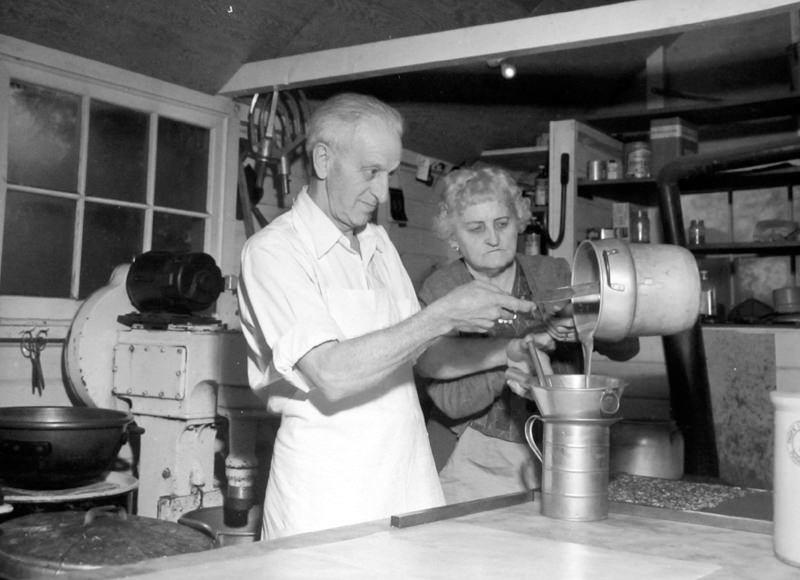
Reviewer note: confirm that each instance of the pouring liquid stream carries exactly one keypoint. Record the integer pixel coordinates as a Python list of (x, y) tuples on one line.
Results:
[(585, 312)]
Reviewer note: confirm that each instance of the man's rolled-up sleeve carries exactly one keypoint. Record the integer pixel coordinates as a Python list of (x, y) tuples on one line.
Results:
[(284, 304)]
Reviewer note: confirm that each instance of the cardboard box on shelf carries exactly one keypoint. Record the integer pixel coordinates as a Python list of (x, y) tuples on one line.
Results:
[(670, 138)]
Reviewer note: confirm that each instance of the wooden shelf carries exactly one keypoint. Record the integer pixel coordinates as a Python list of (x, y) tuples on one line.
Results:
[(724, 112), (789, 248), (517, 158), (779, 176), (645, 191), (639, 191)]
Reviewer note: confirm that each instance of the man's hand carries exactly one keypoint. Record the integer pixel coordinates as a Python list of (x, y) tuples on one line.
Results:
[(476, 307)]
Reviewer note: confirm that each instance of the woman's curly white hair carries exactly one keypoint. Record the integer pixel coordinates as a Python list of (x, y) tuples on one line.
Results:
[(463, 187)]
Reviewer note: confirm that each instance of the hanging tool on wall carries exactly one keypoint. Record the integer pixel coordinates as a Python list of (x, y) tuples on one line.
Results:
[(564, 171), (276, 129), (31, 346)]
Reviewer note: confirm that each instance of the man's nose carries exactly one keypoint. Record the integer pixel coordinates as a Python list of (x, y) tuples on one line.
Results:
[(380, 188)]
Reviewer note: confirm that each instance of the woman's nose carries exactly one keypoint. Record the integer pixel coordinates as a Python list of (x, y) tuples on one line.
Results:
[(492, 238)]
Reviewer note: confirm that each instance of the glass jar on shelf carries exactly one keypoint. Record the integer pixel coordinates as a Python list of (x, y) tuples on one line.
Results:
[(541, 185), (640, 227), (708, 297), (697, 233), (532, 238)]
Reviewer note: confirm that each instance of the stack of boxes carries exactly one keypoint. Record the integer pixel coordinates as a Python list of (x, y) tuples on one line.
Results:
[(670, 138)]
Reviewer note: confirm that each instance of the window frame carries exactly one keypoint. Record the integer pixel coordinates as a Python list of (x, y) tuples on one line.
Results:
[(31, 63)]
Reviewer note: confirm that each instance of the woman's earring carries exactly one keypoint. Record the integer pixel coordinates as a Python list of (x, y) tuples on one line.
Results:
[(454, 246)]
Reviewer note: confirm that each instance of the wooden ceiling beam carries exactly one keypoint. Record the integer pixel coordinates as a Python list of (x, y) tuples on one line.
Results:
[(539, 34)]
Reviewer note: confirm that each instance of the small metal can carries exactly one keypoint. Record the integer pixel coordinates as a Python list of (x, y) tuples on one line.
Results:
[(596, 170), (606, 233), (612, 169)]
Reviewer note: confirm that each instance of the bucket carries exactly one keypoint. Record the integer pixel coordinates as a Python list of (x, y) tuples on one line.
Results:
[(786, 481), (645, 289), (575, 461)]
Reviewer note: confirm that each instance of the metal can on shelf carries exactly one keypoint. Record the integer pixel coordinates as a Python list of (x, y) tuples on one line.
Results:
[(638, 160), (596, 170), (612, 169)]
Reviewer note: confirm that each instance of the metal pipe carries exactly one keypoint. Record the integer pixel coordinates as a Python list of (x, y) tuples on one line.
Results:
[(684, 353)]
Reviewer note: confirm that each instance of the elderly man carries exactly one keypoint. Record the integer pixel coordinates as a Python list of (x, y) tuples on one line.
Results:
[(334, 328)]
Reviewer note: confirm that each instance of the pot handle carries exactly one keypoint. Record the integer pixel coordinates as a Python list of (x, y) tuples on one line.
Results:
[(116, 511), (131, 429), (607, 264), (528, 429), (609, 402)]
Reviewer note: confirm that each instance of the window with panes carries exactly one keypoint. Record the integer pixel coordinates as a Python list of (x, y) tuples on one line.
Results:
[(90, 185)]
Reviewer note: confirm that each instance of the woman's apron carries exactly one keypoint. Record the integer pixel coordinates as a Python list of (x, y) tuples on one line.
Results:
[(366, 459)]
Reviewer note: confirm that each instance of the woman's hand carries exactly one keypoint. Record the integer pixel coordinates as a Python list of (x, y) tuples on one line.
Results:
[(561, 328), (520, 383), (518, 351)]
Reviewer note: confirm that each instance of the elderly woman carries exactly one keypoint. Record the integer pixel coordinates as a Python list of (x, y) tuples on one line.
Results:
[(481, 213)]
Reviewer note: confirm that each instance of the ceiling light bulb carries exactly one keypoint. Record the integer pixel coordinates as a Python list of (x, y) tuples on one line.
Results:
[(508, 70)]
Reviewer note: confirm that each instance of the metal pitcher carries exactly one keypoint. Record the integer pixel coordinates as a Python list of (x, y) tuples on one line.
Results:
[(575, 462)]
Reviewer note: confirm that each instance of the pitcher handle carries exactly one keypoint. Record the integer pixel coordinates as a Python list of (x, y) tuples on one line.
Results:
[(609, 402), (529, 436)]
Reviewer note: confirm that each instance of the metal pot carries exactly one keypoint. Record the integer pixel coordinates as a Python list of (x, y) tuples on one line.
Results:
[(51, 544), (645, 289), (786, 300), (650, 448), (59, 447)]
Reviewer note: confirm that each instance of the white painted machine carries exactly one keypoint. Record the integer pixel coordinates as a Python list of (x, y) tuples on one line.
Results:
[(178, 373)]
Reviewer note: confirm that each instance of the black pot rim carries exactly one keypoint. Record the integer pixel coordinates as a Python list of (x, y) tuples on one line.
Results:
[(53, 417)]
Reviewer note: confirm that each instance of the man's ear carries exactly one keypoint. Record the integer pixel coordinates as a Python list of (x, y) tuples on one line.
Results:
[(321, 159)]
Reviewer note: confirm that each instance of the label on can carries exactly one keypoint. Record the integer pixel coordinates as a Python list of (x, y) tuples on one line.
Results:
[(532, 243), (540, 193), (612, 169)]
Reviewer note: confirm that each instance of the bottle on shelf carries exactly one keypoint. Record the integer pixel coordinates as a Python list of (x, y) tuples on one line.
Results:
[(532, 238), (640, 228), (708, 297), (541, 185), (697, 233)]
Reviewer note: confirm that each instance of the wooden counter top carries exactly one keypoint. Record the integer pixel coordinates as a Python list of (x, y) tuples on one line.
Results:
[(509, 542)]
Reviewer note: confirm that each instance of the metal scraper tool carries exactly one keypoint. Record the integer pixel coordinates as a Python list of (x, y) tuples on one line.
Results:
[(568, 292)]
